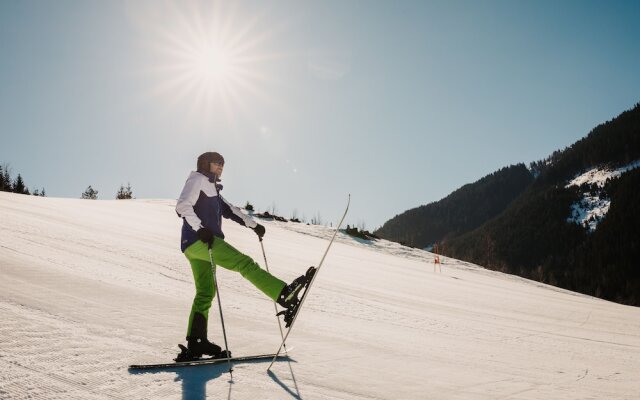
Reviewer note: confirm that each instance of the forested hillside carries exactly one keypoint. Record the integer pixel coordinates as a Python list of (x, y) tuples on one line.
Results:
[(533, 237), (463, 210), (526, 227)]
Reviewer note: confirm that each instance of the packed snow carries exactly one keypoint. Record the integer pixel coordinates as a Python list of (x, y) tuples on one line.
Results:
[(591, 209), (88, 287)]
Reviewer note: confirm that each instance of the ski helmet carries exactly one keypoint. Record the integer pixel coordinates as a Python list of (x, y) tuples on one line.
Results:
[(205, 159)]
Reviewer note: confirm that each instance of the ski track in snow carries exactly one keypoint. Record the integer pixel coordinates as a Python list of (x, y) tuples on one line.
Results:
[(89, 287)]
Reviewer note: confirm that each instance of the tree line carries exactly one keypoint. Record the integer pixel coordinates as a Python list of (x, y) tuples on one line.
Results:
[(124, 193), (17, 185), (463, 210)]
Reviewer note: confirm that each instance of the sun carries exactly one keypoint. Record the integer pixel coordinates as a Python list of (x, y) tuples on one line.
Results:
[(212, 64), (210, 58)]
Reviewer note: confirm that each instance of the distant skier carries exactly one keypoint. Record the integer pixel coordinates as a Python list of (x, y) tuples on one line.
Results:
[(202, 207)]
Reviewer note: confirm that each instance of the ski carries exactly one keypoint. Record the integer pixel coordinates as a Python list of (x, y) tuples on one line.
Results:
[(308, 287), (206, 361)]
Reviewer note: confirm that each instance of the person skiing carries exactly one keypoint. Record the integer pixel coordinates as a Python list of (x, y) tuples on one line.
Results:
[(201, 207)]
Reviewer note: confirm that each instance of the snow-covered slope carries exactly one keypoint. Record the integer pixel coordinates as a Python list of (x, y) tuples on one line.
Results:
[(594, 206), (599, 175), (88, 287)]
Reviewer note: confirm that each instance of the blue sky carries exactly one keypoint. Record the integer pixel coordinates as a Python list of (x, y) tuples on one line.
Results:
[(397, 103)]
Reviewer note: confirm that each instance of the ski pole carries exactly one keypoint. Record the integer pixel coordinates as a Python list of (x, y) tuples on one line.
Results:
[(275, 307), (224, 331)]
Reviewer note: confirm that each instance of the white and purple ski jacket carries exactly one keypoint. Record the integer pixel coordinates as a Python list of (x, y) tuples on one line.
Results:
[(201, 206)]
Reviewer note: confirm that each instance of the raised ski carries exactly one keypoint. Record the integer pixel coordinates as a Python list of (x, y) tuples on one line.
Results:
[(295, 311)]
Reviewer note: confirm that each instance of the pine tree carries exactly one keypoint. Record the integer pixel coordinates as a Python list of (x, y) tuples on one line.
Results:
[(18, 185), (90, 194), (124, 193), (5, 178), (36, 192), (42, 194)]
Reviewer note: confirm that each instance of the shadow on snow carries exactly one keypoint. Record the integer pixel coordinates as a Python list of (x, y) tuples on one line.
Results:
[(194, 378)]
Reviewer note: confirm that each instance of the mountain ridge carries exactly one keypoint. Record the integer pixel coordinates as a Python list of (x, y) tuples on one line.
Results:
[(534, 236)]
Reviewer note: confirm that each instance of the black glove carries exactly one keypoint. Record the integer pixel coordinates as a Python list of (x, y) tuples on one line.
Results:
[(259, 230), (206, 236)]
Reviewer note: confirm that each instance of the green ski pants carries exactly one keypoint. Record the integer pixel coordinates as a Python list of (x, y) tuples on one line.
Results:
[(228, 257)]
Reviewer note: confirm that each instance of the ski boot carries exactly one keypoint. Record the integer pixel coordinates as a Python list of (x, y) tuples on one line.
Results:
[(288, 298), (198, 344)]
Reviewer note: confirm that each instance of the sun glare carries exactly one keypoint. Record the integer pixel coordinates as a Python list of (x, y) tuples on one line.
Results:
[(213, 65), (210, 58)]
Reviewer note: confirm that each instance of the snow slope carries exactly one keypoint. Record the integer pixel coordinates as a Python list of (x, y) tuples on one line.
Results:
[(89, 287), (593, 207), (599, 175)]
